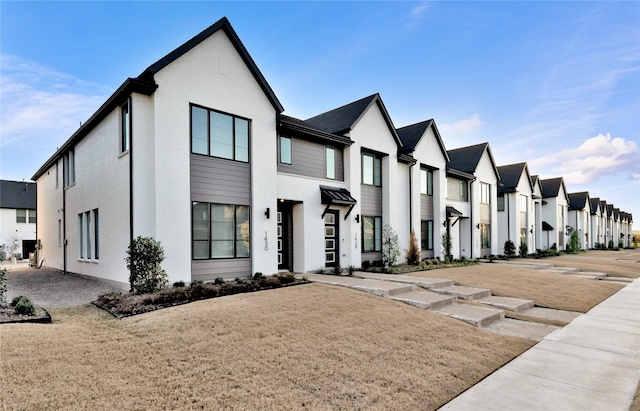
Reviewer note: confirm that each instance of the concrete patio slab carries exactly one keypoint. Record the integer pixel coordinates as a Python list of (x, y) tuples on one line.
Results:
[(523, 329)]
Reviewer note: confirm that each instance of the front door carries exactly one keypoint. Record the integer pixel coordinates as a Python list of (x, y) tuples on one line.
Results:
[(331, 236), (285, 237)]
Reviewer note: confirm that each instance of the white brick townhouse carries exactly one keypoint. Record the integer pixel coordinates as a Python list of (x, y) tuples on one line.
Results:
[(517, 208)]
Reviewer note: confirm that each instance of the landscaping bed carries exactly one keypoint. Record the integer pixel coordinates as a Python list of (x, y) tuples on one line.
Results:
[(9, 315), (127, 304)]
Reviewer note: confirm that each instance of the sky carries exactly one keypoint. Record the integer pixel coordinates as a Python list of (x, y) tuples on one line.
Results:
[(555, 84)]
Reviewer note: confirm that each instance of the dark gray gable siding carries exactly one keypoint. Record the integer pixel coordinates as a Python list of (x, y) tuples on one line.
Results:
[(308, 159), (215, 180), (426, 207), (371, 200)]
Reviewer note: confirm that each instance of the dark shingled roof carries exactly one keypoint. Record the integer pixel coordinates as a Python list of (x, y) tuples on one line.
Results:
[(342, 119), (595, 204), (510, 177), (466, 158), (411, 135), (17, 194), (578, 201), (293, 127), (551, 187), (609, 210)]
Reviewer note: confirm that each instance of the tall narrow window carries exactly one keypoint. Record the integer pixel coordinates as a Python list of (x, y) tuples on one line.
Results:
[(500, 202), (96, 234), (57, 174), (125, 127), (371, 170), (426, 182), (88, 230), (199, 133), (330, 159), (371, 234), (285, 150), (80, 237), (463, 189), (32, 216), (21, 216), (429, 182), (485, 235), (485, 193), (426, 228), (69, 168)]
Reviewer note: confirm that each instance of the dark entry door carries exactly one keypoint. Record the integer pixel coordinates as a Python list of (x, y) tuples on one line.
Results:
[(285, 237), (331, 239)]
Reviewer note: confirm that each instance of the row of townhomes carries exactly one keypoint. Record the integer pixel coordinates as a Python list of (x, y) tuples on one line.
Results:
[(197, 153), (17, 219)]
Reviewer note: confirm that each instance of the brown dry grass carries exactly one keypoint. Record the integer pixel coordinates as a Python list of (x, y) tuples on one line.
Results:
[(623, 263), (311, 346), (563, 292)]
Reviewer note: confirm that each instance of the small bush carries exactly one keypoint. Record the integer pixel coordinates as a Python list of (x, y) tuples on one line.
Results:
[(239, 280), (351, 269), (23, 305), (144, 256), (523, 250), (337, 270), (270, 282), (258, 276), (610, 245), (178, 284), (509, 248), (366, 264), (219, 281), (320, 270), (412, 254), (3, 284), (554, 247), (286, 278)]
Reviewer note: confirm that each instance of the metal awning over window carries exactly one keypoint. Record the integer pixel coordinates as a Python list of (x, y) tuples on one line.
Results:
[(337, 196), (546, 226)]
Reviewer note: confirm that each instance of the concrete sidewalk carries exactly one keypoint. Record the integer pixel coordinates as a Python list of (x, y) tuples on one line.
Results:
[(591, 364)]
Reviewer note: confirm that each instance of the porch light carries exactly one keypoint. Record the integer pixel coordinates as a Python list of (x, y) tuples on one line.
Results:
[(267, 213)]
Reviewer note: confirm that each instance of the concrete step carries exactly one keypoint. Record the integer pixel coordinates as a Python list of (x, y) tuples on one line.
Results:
[(561, 270), (474, 315), (424, 282), (507, 303), (551, 314), (618, 279), (464, 293), (588, 275), (531, 264), (425, 299), (523, 329), (376, 287)]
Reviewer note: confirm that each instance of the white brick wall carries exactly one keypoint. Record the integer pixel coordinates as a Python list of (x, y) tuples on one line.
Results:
[(49, 205)]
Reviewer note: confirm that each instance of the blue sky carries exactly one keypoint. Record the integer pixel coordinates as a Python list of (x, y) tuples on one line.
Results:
[(556, 84)]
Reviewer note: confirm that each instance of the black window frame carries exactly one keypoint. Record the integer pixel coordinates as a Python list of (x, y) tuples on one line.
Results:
[(426, 228), (377, 242), (326, 162), (280, 139), (210, 241), (208, 127), (125, 127), (377, 165)]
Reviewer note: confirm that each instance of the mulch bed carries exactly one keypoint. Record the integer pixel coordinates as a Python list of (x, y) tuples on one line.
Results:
[(9, 316)]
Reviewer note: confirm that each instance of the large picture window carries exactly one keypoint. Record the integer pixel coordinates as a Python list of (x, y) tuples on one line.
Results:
[(220, 231), (371, 170), (219, 135), (371, 234)]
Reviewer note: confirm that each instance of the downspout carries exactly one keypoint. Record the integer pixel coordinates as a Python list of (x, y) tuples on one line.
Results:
[(129, 103), (470, 191), (64, 220), (508, 218), (411, 196)]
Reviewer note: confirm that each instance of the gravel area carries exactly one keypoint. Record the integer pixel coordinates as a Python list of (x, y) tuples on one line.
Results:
[(50, 288)]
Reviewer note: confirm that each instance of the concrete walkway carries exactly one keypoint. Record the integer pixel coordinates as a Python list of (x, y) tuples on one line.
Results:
[(591, 364)]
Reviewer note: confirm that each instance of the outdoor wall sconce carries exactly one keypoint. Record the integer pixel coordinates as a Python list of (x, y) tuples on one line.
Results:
[(478, 226), (357, 218), (444, 223), (267, 213)]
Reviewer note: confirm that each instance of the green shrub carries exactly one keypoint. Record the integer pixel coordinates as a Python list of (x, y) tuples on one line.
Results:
[(219, 281), (447, 246), (351, 269), (509, 248), (320, 270), (258, 276), (390, 246), (286, 278), (178, 284), (144, 256), (523, 250), (23, 305), (610, 246), (239, 280), (337, 270), (366, 264)]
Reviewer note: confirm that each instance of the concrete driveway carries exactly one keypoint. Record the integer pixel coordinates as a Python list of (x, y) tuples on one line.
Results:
[(50, 288)]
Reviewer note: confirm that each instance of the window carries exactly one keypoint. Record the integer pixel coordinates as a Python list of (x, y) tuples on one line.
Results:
[(463, 189), (426, 182), (57, 173), (69, 168), (371, 234), (485, 193), (219, 135), (220, 231), (371, 170), (80, 237), (21, 216), (32, 216), (426, 228), (330, 160), (125, 127), (500, 202), (96, 234), (485, 235), (285, 150), (88, 231)]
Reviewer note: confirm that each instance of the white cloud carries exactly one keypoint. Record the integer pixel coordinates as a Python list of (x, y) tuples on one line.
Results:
[(419, 10), (41, 108), (596, 157), (464, 126)]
